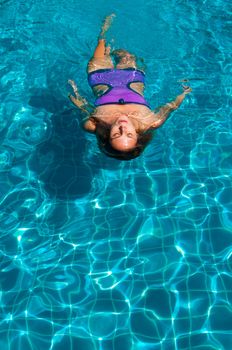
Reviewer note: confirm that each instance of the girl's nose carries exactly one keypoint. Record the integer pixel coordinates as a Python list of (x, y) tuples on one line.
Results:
[(121, 128)]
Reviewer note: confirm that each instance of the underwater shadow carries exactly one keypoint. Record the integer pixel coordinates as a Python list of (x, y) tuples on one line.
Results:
[(59, 161)]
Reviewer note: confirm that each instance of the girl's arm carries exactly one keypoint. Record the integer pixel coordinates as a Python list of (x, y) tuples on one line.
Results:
[(87, 110), (78, 100), (166, 110)]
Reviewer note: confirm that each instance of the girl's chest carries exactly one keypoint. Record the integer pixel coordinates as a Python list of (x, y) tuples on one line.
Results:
[(142, 116)]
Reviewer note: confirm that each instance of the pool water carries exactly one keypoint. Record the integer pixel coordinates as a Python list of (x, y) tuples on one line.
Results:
[(98, 254)]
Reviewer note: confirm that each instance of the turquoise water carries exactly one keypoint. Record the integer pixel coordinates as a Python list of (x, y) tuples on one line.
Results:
[(98, 254)]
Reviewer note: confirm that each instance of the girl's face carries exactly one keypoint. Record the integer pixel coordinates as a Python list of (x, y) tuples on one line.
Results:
[(123, 135)]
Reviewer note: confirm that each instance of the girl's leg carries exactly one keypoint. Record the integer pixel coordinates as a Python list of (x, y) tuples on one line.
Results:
[(101, 57), (100, 49), (124, 59)]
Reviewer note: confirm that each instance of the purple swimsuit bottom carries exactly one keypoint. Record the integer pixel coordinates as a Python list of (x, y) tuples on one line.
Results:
[(118, 81)]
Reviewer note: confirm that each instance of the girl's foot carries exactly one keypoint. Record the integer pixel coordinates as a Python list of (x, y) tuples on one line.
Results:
[(106, 25)]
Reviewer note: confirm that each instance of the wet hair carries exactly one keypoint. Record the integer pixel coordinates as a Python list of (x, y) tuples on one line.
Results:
[(103, 138)]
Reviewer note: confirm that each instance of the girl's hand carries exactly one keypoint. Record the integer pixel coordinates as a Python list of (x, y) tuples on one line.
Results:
[(187, 89), (75, 90)]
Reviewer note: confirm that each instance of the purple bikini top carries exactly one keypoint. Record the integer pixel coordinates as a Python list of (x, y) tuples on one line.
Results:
[(118, 81)]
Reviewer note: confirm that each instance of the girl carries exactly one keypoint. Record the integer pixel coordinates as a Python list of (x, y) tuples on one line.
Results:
[(122, 119)]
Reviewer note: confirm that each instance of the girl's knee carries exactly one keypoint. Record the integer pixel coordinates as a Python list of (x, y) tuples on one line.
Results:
[(99, 63)]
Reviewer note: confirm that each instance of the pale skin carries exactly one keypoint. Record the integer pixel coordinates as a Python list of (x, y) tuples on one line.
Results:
[(127, 120)]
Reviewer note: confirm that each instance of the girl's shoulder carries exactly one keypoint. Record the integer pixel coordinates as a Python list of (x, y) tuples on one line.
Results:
[(147, 121)]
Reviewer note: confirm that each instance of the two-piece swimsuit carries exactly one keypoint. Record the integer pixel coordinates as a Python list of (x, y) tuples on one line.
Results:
[(118, 81)]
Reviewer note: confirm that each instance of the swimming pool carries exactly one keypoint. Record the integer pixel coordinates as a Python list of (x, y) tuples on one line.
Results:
[(98, 254)]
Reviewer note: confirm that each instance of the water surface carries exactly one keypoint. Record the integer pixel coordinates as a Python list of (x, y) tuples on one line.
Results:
[(98, 254)]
